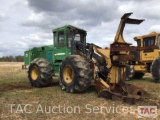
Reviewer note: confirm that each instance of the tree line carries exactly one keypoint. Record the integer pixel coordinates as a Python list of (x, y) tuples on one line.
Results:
[(18, 58)]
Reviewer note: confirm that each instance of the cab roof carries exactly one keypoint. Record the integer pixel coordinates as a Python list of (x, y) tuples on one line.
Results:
[(68, 26), (147, 35)]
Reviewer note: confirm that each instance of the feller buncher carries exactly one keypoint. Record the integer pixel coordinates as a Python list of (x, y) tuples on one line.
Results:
[(81, 65), (148, 57)]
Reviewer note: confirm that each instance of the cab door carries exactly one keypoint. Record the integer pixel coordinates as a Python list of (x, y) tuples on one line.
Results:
[(60, 43)]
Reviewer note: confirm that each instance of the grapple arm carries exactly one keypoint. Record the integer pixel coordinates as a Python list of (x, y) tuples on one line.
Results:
[(125, 20)]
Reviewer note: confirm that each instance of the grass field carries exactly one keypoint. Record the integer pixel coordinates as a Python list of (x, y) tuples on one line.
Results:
[(20, 101)]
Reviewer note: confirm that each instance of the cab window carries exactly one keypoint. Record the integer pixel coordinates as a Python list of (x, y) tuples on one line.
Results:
[(70, 37), (149, 41), (78, 36), (61, 38), (138, 42), (54, 38)]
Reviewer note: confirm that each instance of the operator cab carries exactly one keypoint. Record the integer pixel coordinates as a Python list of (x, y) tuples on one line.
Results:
[(150, 44), (152, 39), (64, 36)]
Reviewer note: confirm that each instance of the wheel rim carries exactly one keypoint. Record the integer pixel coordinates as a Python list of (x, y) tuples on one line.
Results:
[(34, 73), (68, 74)]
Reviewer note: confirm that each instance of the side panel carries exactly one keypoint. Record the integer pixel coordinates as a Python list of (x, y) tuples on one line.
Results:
[(58, 55), (27, 55), (61, 53), (49, 56), (38, 52), (149, 56), (140, 68)]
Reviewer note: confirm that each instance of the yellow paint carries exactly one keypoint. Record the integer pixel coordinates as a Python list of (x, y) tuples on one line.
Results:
[(149, 55), (34, 73), (116, 74), (140, 68), (104, 83), (68, 74), (104, 53)]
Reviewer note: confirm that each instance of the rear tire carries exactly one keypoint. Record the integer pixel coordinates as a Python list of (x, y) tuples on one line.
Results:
[(75, 74), (40, 73), (155, 69), (130, 72), (138, 75)]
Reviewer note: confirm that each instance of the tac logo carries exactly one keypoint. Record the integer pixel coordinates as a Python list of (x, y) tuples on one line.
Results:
[(147, 111)]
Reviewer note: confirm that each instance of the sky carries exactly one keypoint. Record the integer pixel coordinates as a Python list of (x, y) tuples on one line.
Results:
[(28, 23)]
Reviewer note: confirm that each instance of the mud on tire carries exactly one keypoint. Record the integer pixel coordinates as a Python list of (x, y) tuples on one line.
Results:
[(40, 73), (155, 69), (132, 74), (75, 74)]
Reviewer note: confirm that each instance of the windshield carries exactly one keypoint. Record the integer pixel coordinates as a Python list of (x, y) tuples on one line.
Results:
[(78, 36), (149, 41)]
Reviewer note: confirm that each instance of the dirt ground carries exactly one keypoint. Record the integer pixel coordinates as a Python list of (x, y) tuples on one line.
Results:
[(20, 101)]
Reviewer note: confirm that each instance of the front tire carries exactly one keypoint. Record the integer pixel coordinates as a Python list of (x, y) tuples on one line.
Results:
[(40, 73), (138, 75), (155, 70), (130, 72), (75, 74)]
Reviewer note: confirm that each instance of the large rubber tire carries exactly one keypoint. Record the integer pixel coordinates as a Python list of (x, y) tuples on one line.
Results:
[(130, 72), (40, 73), (75, 74), (138, 75), (155, 69)]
